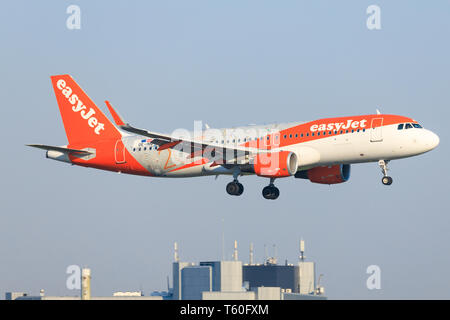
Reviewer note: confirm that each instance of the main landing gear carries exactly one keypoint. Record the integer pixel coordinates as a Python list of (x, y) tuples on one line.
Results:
[(386, 180), (235, 188), (271, 192)]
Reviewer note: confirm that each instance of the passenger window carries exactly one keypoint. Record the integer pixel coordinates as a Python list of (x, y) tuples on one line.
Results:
[(408, 126), (301, 135), (285, 136), (400, 126), (296, 135), (134, 149), (307, 134), (145, 148)]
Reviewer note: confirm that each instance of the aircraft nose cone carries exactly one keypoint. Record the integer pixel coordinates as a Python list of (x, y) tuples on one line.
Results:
[(434, 140), (431, 140)]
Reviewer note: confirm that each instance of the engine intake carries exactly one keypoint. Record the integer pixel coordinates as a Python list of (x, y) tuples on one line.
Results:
[(326, 174), (275, 164)]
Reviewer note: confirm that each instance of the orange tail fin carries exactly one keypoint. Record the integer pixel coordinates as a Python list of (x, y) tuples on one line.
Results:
[(83, 120)]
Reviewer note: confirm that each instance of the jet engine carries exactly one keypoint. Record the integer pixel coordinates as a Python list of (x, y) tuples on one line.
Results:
[(326, 174), (275, 164)]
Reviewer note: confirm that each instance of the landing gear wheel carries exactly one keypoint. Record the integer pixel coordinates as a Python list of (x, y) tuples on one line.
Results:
[(241, 189), (387, 181), (235, 188), (270, 192)]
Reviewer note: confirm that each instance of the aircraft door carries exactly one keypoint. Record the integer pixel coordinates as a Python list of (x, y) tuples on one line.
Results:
[(119, 152), (376, 131)]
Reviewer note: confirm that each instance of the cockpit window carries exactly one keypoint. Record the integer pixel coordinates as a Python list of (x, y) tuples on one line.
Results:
[(400, 126), (408, 126), (416, 125)]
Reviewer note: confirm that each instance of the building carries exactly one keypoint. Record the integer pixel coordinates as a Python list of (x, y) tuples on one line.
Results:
[(226, 275), (230, 280), (269, 275), (195, 280)]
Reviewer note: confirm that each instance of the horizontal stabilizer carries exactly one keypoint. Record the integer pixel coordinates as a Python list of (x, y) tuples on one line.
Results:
[(60, 149)]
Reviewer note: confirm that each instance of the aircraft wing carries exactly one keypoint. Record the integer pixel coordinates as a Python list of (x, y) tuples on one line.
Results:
[(196, 148), (214, 152)]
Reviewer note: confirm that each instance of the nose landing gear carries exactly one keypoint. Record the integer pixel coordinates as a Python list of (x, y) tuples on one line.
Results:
[(271, 192), (386, 180)]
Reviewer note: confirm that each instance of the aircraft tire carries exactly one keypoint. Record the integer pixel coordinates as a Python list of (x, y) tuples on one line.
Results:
[(387, 181)]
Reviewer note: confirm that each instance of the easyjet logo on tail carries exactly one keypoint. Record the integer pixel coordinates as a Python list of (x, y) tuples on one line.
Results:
[(78, 106), (339, 125)]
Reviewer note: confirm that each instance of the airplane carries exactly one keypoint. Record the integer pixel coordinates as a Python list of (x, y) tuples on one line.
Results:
[(321, 151)]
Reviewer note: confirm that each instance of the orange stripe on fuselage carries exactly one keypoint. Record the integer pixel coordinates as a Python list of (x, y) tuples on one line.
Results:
[(277, 140)]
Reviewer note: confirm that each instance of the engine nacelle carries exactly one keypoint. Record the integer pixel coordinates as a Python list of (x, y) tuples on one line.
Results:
[(275, 164), (326, 174)]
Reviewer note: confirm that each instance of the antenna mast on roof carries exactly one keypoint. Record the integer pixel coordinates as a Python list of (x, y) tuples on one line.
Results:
[(302, 250)]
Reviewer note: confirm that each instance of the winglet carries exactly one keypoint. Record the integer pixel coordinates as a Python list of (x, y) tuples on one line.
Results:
[(117, 118)]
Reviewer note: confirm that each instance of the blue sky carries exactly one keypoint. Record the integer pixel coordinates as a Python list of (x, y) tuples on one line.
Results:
[(165, 64)]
